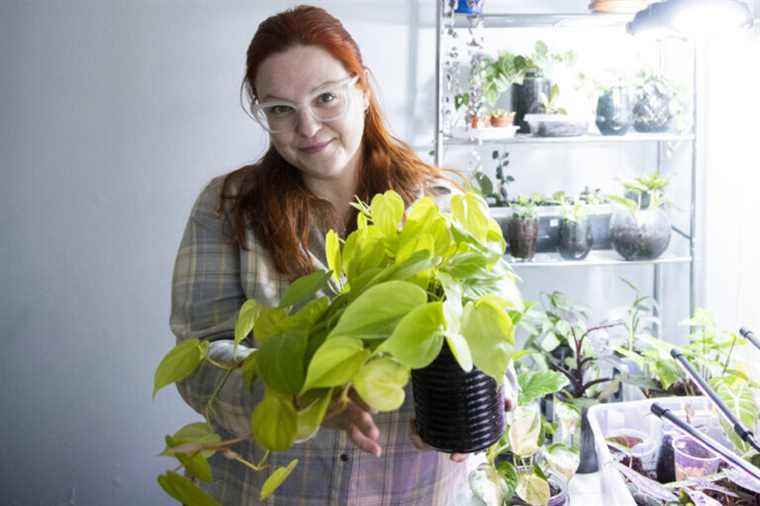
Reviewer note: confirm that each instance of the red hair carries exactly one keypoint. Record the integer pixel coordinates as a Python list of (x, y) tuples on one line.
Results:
[(271, 197)]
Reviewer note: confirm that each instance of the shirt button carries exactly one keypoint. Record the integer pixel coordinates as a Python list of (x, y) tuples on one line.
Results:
[(343, 457)]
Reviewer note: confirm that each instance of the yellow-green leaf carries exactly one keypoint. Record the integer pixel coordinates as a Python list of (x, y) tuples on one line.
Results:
[(184, 490), (276, 479), (387, 210), (377, 311), (380, 383), (274, 422), (524, 431), (418, 337), (490, 334), (248, 370), (332, 252), (310, 418), (245, 319), (270, 322), (533, 489), (179, 363), (304, 288), (335, 362)]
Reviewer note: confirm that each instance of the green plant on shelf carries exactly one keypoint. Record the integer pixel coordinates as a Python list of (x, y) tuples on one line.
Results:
[(644, 192), (525, 208)]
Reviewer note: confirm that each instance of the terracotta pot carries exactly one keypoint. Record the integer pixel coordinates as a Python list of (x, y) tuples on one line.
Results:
[(503, 120)]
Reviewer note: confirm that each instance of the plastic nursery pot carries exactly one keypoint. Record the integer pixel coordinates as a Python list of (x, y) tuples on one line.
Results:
[(644, 236), (575, 239), (692, 460), (457, 411), (521, 238), (638, 451), (469, 6), (526, 98), (613, 111)]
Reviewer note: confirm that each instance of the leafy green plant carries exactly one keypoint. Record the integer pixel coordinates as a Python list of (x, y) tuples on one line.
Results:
[(497, 196), (398, 288), (561, 335), (525, 208), (497, 75), (643, 192), (550, 104), (519, 464)]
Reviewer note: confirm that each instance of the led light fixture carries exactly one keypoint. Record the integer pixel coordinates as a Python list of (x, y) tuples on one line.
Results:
[(691, 18)]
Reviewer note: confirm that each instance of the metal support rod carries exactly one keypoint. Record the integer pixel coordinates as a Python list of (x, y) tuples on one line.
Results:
[(656, 293), (749, 336), (680, 232), (438, 156), (706, 441), (745, 434), (693, 209)]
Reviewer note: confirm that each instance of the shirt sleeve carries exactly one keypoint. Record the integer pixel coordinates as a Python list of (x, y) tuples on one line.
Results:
[(206, 296)]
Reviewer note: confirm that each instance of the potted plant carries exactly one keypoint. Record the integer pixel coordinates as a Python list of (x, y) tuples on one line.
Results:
[(656, 103), (599, 215), (527, 95), (525, 466), (641, 230), (575, 236), (522, 229), (614, 114), (446, 296), (565, 341), (555, 121)]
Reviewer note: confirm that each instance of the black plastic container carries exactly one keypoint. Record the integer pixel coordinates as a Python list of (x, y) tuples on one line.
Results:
[(457, 411), (526, 98)]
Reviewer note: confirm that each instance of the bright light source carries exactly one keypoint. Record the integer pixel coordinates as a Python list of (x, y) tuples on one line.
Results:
[(706, 17), (691, 17)]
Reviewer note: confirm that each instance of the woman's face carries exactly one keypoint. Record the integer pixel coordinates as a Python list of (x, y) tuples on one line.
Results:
[(321, 150)]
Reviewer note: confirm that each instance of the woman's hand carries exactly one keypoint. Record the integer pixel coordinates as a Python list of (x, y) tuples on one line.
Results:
[(352, 415)]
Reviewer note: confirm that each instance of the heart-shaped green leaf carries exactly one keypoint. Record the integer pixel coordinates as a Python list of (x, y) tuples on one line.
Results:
[(524, 431), (335, 362), (280, 360), (533, 489), (304, 288), (489, 332), (380, 383), (184, 490), (179, 363), (376, 312), (274, 422), (418, 338), (245, 319)]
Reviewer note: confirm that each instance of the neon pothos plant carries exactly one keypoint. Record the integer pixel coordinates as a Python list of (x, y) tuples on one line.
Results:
[(397, 288), (519, 464)]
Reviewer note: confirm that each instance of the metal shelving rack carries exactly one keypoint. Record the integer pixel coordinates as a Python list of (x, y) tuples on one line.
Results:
[(590, 21)]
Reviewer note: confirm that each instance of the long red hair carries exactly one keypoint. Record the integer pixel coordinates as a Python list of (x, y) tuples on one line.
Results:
[(271, 196)]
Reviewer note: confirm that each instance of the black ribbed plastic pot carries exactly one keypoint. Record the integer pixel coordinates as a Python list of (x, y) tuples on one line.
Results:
[(457, 411)]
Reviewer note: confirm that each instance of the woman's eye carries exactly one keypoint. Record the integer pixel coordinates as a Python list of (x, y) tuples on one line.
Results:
[(280, 110), (326, 98)]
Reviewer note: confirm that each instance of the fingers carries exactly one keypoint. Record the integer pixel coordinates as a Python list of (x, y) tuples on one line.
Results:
[(364, 442), (363, 421), (458, 457)]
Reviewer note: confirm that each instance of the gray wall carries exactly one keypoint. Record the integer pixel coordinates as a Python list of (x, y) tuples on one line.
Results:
[(114, 115)]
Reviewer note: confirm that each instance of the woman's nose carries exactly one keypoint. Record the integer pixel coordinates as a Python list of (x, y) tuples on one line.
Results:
[(307, 125)]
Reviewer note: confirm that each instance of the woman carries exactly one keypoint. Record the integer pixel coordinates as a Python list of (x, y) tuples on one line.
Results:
[(254, 231)]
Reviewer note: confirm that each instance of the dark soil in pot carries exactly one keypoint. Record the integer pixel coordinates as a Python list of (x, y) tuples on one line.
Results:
[(522, 236), (613, 112), (575, 239), (526, 99), (644, 237), (457, 411)]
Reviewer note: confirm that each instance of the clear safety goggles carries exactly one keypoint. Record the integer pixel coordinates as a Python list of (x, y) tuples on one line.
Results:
[(329, 102)]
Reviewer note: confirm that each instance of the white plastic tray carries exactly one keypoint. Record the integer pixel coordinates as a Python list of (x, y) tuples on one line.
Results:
[(605, 419)]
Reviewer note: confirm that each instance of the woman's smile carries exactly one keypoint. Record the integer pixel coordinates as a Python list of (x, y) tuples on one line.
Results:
[(314, 148)]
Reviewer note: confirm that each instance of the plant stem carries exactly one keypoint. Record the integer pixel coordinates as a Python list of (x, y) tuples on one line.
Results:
[(208, 409)]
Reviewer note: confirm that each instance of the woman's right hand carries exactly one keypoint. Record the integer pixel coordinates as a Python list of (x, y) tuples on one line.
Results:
[(355, 417)]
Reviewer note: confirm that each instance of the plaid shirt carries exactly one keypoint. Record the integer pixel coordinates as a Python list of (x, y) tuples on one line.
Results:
[(212, 278)]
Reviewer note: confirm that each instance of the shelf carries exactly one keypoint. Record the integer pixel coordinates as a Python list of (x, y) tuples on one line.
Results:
[(583, 139), (595, 258), (575, 20)]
